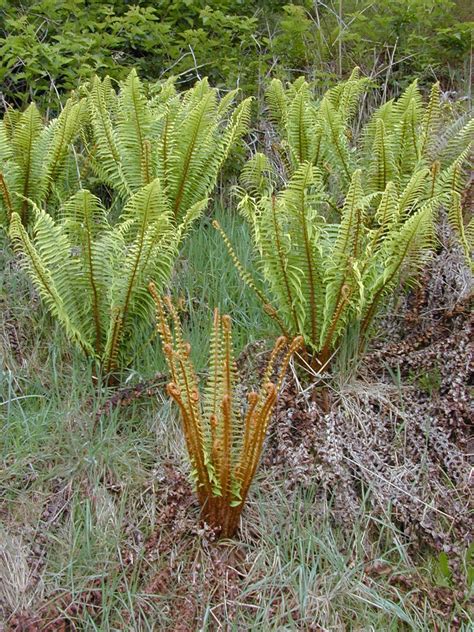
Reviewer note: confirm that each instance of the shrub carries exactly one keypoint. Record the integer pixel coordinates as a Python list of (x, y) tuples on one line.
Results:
[(49, 47)]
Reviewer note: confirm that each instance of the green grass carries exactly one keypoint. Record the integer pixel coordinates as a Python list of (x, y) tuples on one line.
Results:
[(80, 502)]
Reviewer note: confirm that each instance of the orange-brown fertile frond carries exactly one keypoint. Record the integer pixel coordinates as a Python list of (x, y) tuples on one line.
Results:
[(224, 444)]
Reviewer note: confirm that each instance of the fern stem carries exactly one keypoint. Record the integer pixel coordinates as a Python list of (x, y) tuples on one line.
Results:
[(247, 278), (124, 308), (6, 197), (312, 291), (27, 171), (301, 131), (340, 304), (195, 427), (95, 294)]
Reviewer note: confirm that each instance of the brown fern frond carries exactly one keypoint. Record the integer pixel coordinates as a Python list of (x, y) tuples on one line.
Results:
[(224, 445)]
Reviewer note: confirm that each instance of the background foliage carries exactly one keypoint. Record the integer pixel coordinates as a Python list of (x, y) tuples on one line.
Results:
[(49, 47)]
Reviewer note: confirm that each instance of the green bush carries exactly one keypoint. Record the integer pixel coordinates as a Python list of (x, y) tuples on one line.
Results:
[(50, 47)]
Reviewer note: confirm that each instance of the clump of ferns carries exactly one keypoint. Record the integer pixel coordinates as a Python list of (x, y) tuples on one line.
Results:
[(323, 278), (224, 440), (405, 142), (162, 157), (182, 138), (345, 221)]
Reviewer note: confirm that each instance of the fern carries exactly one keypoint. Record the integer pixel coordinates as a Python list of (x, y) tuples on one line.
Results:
[(352, 221), (35, 158), (224, 445), (324, 279), (401, 137), (181, 139), (93, 275), (464, 233), (161, 156)]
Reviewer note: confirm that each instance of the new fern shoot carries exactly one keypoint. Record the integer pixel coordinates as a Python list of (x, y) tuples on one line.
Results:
[(224, 442)]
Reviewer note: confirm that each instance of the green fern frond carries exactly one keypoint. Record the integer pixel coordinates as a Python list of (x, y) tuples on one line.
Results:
[(336, 143), (106, 159), (410, 98), (382, 167), (256, 174), (133, 127), (350, 94), (35, 158), (406, 137), (386, 216), (413, 192), (54, 272), (148, 256), (452, 178), (299, 122), (403, 254), (457, 142), (431, 123), (277, 103), (64, 131), (27, 133), (456, 221)]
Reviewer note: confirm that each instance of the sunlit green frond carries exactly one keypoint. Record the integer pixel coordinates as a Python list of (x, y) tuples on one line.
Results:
[(24, 143), (342, 285), (336, 143), (406, 138), (148, 255), (456, 221), (414, 191), (105, 156), (349, 97), (65, 129), (54, 270), (386, 216), (403, 254), (277, 102), (452, 177), (431, 123), (458, 142), (300, 120), (284, 277), (85, 222), (256, 174), (382, 167), (410, 98), (133, 127)]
